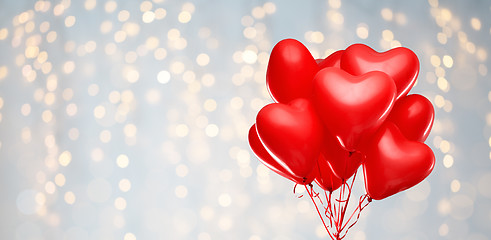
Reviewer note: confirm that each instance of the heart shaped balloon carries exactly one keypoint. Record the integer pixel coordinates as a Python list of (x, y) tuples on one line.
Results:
[(292, 134), (343, 163), (325, 178), (265, 158), (291, 69), (401, 64), (333, 60), (414, 116), (352, 107), (394, 164)]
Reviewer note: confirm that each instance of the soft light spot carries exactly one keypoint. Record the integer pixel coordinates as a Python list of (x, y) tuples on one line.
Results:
[(182, 170), (110, 6), (211, 130), (65, 158), (4, 33), (90, 4), (236, 103), (99, 112), (184, 17), (70, 198), (120, 203), (3, 72), (224, 200), (122, 161), (439, 101), (47, 116), (387, 35), (129, 236), (177, 67), (444, 146), (25, 109), (258, 12), (93, 89), (71, 109), (447, 61), (387, 14), (210, 105), (334, 3), (182, 130), (448, 161), (181, 191), (50, 187), (476, 24), (160, 13), (207, 213), (60, 179), (148, 17), (124, 185), (97, 154), (68, 67), (455, 185), (443, 230), (269, 8), (130, 130), (70, 21), (362, 31), (163, 77), (208, 80), (160, 53), (202, 59), (123, 15), (73, 134), (249, 56), (132, 75), (443, 84)]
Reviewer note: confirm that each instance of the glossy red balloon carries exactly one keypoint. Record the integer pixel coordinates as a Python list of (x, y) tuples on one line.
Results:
[(291, 69), (292, 134), (325, 178), (394, 164), (333, 60), (343, 163), (266, 159), (352, 107), (414, 116), (401, 64)]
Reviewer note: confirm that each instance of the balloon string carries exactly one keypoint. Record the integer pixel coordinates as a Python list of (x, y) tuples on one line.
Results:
[(359, 207), (328, 210), (322, 219), (294, 188), (350, 187), (369, 200)]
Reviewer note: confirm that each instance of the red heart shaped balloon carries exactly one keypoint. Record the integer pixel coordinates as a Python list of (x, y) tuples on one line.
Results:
[(263, 156), (291, 69), (413, 115), (343, 163), (325, 178), (292, 134), (394, 164), (401, 64), (333, 60), (352, 107)]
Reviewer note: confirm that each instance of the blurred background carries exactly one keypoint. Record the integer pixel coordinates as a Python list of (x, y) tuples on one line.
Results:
[(128, 119)]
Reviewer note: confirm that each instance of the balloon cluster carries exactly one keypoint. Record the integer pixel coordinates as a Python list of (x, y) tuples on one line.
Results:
[(333, 115)]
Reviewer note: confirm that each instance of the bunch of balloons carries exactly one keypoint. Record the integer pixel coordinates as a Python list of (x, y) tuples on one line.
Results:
[(333, 115)]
